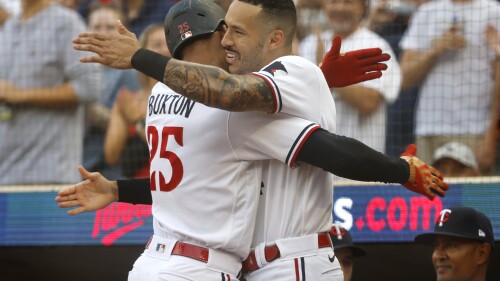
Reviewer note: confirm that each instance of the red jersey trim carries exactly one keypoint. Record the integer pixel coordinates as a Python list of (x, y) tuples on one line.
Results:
[(274, 90), (304, 135)]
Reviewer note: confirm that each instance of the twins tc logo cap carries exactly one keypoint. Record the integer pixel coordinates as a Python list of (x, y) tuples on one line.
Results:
[(341, 238), (461, 222)]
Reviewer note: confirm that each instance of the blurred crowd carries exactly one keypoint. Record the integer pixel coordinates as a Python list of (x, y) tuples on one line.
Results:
[(441, 90)]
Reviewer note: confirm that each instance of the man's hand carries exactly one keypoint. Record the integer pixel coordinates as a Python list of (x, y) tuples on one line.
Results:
[(113, 50), (94, 193), (451, 40), (424, 179), (352, 67)]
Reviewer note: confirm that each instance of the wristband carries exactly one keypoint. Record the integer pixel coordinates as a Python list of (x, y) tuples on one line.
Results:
[(150, 63), (413, 171), (134, 191)]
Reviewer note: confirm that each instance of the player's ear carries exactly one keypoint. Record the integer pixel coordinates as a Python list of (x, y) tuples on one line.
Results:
[(276, 38), (483, 253)]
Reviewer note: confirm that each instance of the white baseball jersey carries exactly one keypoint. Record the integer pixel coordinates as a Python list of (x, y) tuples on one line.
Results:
[(296, 202), (204, 180)]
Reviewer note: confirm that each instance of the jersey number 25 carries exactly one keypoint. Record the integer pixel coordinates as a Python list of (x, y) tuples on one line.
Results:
[(175, 161)]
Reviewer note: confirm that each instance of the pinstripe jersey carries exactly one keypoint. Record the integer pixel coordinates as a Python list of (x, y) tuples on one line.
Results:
[(205, 177), (299, 201)]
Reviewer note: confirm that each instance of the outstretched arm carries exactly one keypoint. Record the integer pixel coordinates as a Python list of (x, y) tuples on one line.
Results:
[(349, 158), (93, 193), (213, 86), (97, 192), (209, 85), (345, 157)]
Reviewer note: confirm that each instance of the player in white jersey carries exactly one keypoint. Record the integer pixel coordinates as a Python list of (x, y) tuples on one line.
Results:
[(295, 209), (203, 178), (206, 84), (204, 181)]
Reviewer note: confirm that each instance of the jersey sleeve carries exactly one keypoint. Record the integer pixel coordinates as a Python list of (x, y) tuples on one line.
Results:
[(259, 136), (298, 86)]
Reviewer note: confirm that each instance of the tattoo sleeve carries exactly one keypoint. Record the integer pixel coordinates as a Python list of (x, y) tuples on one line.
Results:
[(217, 88), (208, 85)]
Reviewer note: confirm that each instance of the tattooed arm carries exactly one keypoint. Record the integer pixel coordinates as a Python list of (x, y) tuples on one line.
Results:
[(208, 85), (215, 87)]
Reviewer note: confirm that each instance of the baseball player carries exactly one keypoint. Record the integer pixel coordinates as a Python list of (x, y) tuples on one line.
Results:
[(203, 178), (303, 246)]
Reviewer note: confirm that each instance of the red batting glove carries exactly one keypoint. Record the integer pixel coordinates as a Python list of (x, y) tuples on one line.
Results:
[(424, 179), (352, 67)]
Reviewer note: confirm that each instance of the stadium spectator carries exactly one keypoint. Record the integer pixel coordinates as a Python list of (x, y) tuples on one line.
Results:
[(345, 250), (45, 86), (311, 19), (125, 138), (463, 240), (389, 19), (456, 159), (103, 19), (444, 51), (361, 108)]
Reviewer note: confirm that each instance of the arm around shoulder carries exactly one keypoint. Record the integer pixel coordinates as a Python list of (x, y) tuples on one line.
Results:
[(209, 85)]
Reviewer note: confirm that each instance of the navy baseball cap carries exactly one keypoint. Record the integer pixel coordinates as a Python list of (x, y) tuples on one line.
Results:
[(463, 222), (341, 238), (191, 19)]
